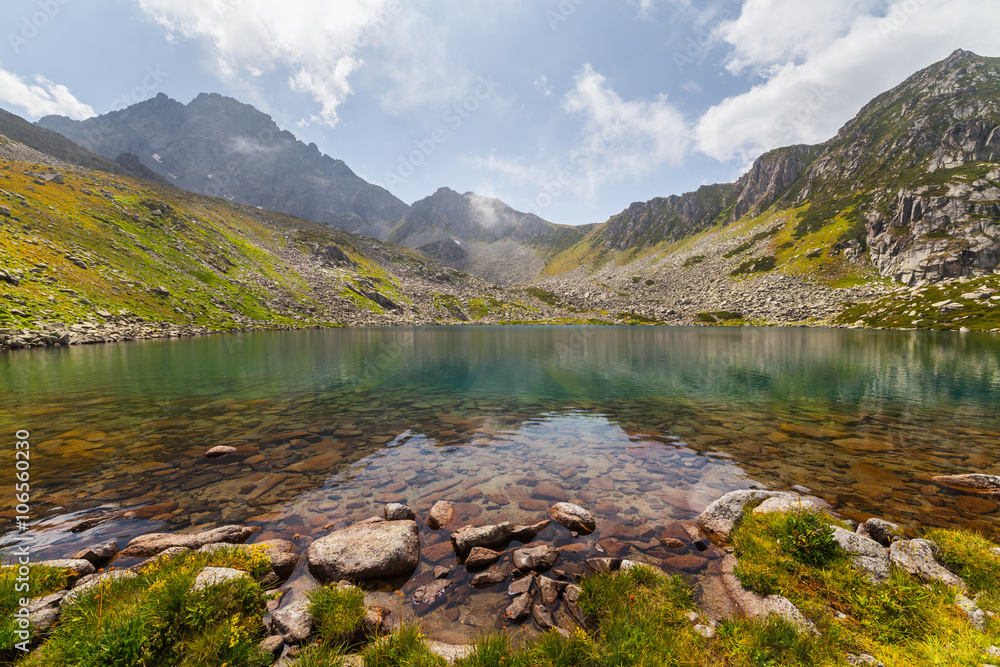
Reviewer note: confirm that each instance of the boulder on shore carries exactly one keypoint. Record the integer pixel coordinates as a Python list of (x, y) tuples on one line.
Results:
[(366, 550), (724, 514)]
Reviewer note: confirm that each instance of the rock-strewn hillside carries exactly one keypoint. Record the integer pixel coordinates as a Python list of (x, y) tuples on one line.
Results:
[(90, 256), (218, 146), (907, 192)]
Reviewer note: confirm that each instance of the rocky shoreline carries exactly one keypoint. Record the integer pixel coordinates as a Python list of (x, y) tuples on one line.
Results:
[(543, 593)]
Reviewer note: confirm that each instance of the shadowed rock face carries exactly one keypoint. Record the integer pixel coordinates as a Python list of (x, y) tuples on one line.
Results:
[(220, 147)]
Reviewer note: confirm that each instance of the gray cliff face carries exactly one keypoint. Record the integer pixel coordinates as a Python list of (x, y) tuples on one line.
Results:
[(220, 147), (917, 170)]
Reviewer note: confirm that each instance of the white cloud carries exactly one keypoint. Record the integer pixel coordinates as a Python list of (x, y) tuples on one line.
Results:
[(41, 98), (645, 8), (623, 139), (821, 62), (317, 42), (542, 84)]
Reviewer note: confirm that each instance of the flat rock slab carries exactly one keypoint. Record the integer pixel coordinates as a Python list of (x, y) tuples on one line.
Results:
[(78, 566), (481, 557), (528, 532), (972, 483), (487, 579), (574, 518), (917, 558), (151, 544), (213, 576), (367, 550)]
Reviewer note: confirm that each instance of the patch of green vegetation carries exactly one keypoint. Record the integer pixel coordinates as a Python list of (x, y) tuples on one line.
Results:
[(337, 614), (755, 265), (157, 617), (754, 240), (403, 648), (450, 305), (635, 318), (972, 557), (691, 261), (41, 580), (770, 642), (915, 309), (649, 282), (717, 316), (545, 296)]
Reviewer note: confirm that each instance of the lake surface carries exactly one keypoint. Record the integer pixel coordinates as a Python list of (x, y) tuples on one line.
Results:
[(644, 426)]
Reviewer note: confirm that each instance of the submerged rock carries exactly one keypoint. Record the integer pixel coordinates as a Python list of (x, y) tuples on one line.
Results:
[(487, 579), (480, 557), (441, 514), (431, 592), (574, 518), (528, 532), (367, 550), (220, 451)]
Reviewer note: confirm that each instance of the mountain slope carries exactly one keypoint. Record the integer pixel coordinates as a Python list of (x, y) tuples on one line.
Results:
[(112, 256), (907, 192), (218, 146), (482, 236)]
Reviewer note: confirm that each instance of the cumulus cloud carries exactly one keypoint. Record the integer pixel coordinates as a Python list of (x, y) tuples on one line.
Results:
[(819, 63), (41, 98), (621, 138), (317, 43)]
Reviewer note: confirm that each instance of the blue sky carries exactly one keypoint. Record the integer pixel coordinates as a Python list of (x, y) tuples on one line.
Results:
[(571, 109)]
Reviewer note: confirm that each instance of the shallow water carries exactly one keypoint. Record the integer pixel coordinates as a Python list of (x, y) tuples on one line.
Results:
[(644, 426)]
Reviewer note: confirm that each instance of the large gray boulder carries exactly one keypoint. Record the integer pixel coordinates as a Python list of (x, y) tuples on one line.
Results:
[(367, 550), (151, 544), (867, 555), (880, 530), (917, 558), (723, 515)]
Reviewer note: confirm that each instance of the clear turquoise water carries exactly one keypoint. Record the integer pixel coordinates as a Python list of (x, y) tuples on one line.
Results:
[(643, 425)]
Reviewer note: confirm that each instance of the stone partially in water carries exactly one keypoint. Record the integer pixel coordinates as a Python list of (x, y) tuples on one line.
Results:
[(494, 537), (220, 451), (367, 550), (519, 609), (398, 512), (440, 515), (99, 555), (480, 557), (431, 592), (151, 544), (537, 559), (487, 579), (526, 533), (574, 518), (972, 483), (549, 491)]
